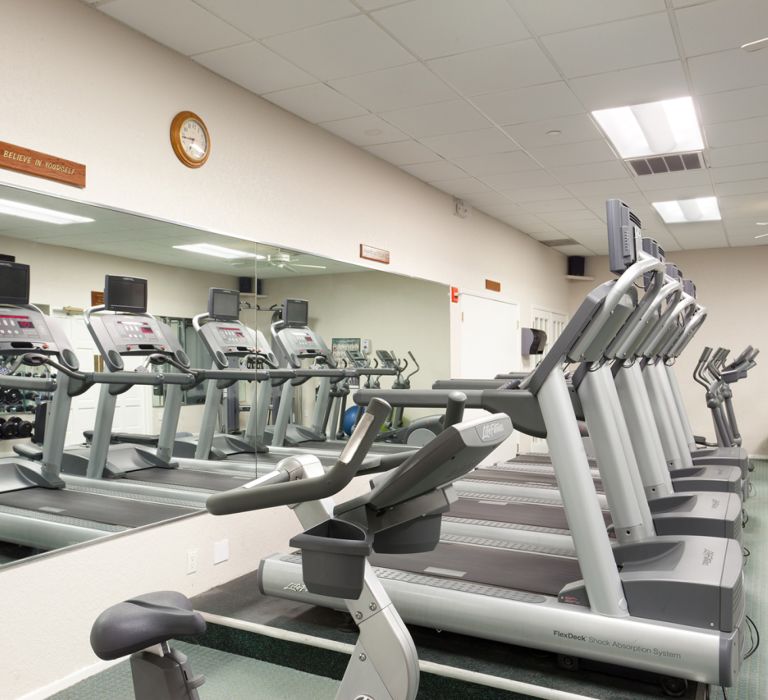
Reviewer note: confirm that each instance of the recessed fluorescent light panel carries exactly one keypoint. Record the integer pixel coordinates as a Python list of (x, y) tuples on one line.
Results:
[(49, 216), (217, 251), (654, 128), (687, 211)]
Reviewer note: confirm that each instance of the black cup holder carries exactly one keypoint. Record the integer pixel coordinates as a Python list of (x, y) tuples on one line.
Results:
[(420, 535), (333, 558)]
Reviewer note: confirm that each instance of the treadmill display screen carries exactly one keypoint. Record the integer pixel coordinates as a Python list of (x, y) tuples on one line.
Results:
[(296, 312), (128, 294), (14, 284), (224, 304)]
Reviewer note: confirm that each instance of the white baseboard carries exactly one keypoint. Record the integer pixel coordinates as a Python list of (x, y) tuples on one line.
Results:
[(70, 680)]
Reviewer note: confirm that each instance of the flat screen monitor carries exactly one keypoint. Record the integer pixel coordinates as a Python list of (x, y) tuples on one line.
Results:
[(14, 283), (296, 312), (126, 294), (224, 304)]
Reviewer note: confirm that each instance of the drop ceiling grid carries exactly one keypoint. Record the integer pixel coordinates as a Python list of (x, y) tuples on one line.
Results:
[(465, 97)]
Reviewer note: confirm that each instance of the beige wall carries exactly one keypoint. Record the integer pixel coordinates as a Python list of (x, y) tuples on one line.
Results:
[(81, 86), (733, 285)]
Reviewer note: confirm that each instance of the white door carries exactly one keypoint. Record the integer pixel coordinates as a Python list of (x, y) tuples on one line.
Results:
[(488, 344)]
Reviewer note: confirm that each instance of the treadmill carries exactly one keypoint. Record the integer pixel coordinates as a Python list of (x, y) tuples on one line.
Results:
[(229, 343), (37, 509), (122, 327), (293, 342), (670, 605)]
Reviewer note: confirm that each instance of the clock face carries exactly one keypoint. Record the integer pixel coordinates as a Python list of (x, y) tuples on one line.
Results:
[(190, 139), (194, 140)]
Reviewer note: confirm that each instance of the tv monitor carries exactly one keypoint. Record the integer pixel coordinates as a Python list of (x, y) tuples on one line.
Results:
[(296, 312), (14, 284), (224, 304), (126, 294)]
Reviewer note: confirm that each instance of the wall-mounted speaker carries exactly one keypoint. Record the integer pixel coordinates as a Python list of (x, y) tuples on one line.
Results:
[(245, 285), (576, 265)]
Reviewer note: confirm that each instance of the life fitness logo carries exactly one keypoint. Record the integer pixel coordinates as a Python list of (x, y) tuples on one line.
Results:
[(491, 430)]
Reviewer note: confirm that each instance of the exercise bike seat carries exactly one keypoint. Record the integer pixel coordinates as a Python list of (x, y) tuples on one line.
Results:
[(142, 622)]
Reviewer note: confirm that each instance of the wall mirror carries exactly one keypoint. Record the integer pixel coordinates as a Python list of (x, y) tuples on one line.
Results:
[(71, 246)]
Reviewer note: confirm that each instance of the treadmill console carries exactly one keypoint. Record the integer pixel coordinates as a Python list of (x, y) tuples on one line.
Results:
[(300, 343), (133, 334), (226, 339), (623, 229), (357, 359), (24, 330), (387, 359)]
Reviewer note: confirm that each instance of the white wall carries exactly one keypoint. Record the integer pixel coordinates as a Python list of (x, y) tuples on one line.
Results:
[(79, 85), (732, 284)]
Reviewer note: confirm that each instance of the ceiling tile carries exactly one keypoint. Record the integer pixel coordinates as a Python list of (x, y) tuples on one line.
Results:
[(403, 152), (365, 131), (506, 209), (558, 218), (496, 163), (470, 143), (573, 153), (254, 67), (724, 189), (315, 103), (732, 133), (545, 233), (591, 171), (561, 15), (734, 104), (520, 180), (574, 128), (374, 4), (550, 205), (487, 199), (738, 155), (667, 181), (436, 119), (432, 28), (359, 46), (660, 81), (622, 44), (747, 242), (394, 88), (704, 235), (526, 222), (199, 31), (463, 187), (740, 172), (728, 70), (530, 104), (261, 18), (602, 187), (537, 194), (434, 172), (721, 25), (744, 206), (496, 68)]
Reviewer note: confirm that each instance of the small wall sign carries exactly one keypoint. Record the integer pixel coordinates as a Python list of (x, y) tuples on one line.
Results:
[(368, 252), (25, 160)]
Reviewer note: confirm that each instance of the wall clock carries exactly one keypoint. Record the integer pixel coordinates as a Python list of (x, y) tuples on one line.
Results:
[(190, 139)]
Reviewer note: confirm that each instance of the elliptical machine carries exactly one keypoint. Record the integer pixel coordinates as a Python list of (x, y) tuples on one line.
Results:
[(401, 514)]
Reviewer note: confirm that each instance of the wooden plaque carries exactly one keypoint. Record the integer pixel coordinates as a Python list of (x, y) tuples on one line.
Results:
[(25, 160), (97, 298), (368, 252), (493, 285)]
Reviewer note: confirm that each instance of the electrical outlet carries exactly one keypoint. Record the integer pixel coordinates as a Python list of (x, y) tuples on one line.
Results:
[(192, 561), (365, 346), (220, 551)]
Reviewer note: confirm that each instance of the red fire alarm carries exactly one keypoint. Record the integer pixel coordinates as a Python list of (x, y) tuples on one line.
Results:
[(454, 295)]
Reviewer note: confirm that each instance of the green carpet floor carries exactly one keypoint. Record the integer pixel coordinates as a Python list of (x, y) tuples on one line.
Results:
[(228, 677)]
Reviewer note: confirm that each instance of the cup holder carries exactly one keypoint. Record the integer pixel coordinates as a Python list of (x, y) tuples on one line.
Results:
[(333, 558)]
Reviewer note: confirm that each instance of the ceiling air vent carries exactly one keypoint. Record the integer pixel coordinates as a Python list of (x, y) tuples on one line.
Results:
[(672, 163), (558, 242)]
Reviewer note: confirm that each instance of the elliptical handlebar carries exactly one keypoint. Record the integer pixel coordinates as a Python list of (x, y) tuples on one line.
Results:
[(278, 488)]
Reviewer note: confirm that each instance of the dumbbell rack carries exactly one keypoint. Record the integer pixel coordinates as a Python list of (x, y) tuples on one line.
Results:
[(17, 410)]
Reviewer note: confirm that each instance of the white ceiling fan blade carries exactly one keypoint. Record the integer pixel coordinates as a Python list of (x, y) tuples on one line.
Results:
[(316, 267)]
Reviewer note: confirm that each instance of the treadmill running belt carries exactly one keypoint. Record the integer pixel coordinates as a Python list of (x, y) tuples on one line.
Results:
[(516, 512), (108, 510), (190, 478), (513, 476), (504, 568)]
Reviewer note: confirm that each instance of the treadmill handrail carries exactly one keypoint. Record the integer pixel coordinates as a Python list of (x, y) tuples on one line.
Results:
[(276, 488), (44, 384)]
